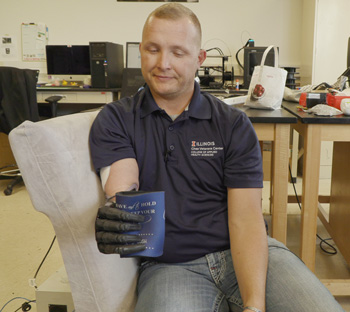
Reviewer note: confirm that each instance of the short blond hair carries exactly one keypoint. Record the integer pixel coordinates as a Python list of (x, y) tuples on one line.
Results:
[(176, 11)]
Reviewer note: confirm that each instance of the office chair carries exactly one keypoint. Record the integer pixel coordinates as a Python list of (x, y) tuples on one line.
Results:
[(10, 172), (17, 103), (53, 101), (54, 158)]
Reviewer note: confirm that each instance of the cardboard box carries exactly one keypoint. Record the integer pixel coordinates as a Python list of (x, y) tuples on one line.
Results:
[(6, 156)]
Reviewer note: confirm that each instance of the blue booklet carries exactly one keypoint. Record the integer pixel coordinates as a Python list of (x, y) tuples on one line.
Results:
[(152, 206)]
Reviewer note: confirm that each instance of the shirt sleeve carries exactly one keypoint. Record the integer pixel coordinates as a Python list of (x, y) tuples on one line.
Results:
[(111, 137), (243, 160)]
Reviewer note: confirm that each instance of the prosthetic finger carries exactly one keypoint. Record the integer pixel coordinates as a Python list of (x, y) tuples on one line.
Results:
[(120, 249), (115, 226), (108, 237), (107, 212)]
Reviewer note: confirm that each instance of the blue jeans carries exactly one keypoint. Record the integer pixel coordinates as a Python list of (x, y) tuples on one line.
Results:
[(209, 284)]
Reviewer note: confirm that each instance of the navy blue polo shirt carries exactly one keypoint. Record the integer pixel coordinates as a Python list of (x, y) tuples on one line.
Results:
[(209, 147)]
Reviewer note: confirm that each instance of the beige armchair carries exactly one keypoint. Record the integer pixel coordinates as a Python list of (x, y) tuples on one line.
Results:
[(54, 159)]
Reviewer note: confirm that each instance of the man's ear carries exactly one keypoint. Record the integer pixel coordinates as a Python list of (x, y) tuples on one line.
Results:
[(201, 57)]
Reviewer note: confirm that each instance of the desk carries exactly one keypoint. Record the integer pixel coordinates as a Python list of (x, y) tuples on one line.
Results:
[(316, 129), (274, 126), (78, 95)]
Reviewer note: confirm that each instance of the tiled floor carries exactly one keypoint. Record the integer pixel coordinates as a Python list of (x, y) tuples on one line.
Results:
[(26, 234)]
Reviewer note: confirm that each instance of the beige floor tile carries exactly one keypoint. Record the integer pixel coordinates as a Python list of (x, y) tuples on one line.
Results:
[(25, 236)]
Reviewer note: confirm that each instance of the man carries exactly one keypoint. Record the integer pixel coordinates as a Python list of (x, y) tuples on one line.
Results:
[(206, 157)]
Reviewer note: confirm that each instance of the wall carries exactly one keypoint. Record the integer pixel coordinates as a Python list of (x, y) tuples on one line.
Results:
[(307, 41), (227, 24), (331, 39)]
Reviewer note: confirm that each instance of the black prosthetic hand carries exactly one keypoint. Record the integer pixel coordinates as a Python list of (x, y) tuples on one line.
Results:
[(112, 225)]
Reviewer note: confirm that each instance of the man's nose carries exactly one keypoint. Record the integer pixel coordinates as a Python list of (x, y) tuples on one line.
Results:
[(164, 60)]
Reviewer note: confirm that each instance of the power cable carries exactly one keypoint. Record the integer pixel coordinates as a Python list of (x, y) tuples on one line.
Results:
[(239, 50), (42, 262), (25, 306), (323, 241)]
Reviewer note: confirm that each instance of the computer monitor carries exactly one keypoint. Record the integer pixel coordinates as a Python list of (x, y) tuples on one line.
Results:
[(133, 57), (68, 60), (252, 58)]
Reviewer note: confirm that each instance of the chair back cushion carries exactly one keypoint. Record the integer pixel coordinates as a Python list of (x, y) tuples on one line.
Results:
[(54, 159), (17, 97)]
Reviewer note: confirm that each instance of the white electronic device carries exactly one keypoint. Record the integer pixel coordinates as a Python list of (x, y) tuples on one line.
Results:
[(54, 295), (235, 100)]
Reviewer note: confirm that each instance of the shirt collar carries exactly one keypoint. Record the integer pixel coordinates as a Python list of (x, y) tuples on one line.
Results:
[(198, 108), (148, 105)]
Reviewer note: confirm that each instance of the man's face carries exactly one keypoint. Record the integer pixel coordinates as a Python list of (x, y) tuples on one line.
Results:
[(170, 56)]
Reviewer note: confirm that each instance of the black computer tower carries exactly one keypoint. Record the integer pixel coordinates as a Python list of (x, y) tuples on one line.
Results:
[(106, 64)]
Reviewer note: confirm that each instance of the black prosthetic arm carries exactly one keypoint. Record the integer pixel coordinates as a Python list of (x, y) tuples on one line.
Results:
[(112, 225)]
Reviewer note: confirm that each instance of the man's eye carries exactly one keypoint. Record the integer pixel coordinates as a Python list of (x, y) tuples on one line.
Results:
[(153, 50), (178, 53)]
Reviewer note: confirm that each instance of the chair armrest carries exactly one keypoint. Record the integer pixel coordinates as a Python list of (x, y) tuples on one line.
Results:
[(54, 158)]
